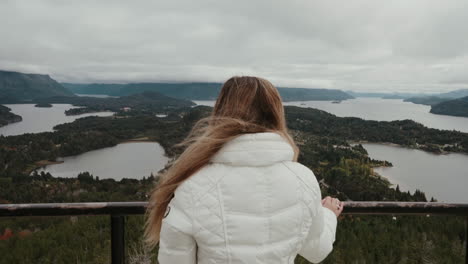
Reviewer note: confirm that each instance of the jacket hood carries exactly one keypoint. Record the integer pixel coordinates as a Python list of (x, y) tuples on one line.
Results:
[(257, 149)]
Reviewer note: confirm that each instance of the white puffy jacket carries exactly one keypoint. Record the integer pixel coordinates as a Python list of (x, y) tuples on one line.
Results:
[(251, 204)]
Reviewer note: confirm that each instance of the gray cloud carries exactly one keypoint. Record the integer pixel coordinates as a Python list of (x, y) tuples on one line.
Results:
[(419, 45)]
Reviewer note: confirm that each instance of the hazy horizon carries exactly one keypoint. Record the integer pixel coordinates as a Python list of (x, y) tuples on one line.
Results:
[(344, 90), (364, 46)]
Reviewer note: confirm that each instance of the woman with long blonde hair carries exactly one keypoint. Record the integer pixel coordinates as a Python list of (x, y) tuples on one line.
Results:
[(237, 193)]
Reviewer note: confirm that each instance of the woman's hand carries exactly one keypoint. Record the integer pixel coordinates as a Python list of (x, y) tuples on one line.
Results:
[(333, 204)]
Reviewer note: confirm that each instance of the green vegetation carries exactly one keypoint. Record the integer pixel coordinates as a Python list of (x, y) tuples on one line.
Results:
[(199, 91), (142, 103), (20, 154), (342, 169), (455, 107), (7, 117), (403, 239), (403, 132), (18, 87), (94, 88), (43, 105), (84, 239)]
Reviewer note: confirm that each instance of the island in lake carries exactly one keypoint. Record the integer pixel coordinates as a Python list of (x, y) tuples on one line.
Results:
[(43, 105)]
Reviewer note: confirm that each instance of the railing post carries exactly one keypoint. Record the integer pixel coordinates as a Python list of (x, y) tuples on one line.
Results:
[(466, 240), (118, 239)]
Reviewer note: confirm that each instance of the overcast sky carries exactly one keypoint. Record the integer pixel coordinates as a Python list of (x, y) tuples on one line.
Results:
[(391, 45)]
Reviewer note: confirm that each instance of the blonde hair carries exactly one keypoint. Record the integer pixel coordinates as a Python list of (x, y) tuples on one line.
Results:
[(245, 105)]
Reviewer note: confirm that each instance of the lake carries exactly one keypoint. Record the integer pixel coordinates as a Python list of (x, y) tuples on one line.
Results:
[(382, 110), (444, 177), (127, 160), (41, 119)]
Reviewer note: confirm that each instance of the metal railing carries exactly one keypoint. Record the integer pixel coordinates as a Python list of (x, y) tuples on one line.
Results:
[(117, 211)]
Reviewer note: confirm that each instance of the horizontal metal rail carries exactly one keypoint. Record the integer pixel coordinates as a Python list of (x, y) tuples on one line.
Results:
[(118, 210), (58, 209), (132, 208)]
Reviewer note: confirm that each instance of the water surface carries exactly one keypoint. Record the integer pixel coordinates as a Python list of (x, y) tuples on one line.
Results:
[(127, 160), (382, 110), (444, 177), (41, 119)]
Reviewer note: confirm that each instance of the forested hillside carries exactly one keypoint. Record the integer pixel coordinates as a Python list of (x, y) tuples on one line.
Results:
[(7, 117), (21, 87), (455, 107), (403, 132), (142, 102)]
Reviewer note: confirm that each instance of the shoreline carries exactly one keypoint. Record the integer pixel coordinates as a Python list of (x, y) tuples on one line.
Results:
[(381, 143), (141, 139), (440, 152), (85, 113), (41, 164)]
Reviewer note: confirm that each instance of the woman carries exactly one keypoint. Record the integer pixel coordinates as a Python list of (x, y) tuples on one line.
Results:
[(237, 193)]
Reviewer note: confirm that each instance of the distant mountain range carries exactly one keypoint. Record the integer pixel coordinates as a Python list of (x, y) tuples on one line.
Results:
[(437, 98), (454, 103), (426, 100), (406, 96), (16, 87), (455, 94), (384, 95), (21, 87), (199, 91)]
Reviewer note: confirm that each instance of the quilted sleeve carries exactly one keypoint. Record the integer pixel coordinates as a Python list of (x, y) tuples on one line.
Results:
[(321, 236), (319, 241), (176, 244)]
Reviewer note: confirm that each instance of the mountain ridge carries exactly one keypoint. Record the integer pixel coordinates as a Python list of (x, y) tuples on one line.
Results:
[(200, 91), (17, 87)]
